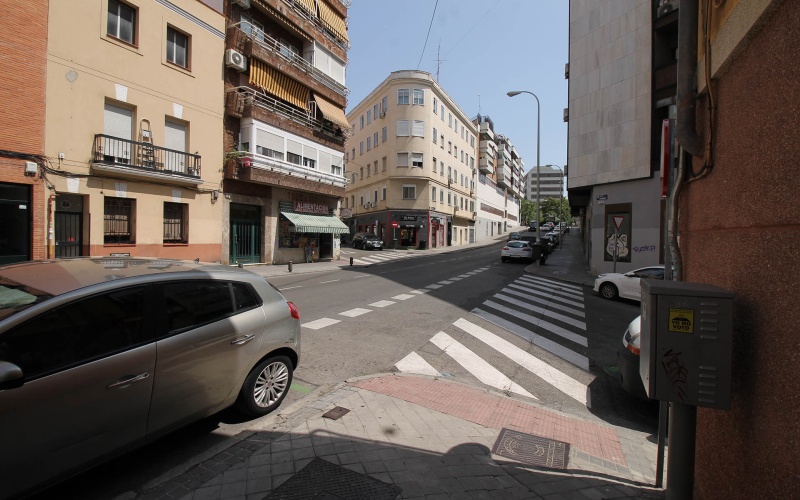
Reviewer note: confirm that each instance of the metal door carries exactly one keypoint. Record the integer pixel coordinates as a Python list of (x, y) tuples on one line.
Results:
[(245, 236), (68, 234), (15, 223)]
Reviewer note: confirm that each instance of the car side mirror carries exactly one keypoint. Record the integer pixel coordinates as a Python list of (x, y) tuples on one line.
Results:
[(11, 375)]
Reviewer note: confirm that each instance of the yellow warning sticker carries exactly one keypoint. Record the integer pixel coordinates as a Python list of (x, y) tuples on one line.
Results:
[(681, 320)]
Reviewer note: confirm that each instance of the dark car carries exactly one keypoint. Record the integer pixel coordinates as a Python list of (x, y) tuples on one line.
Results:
[(540, 249), (513, 236), (365, 241)]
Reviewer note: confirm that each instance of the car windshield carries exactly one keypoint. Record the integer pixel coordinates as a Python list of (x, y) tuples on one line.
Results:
[(517, 244), (370, 236), (15, 297)]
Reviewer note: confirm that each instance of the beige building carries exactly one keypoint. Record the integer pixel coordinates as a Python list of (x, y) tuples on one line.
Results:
[(134, 128), (410, 165)]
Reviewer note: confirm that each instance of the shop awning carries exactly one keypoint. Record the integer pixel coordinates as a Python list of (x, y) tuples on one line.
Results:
[(332, 112), (278, 84), (332, 20), (305, 223)]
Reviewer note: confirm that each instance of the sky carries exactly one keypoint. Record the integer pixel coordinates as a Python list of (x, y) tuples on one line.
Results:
[(487, 48)]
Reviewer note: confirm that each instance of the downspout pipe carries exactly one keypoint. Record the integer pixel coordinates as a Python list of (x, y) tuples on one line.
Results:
[(686, 127)]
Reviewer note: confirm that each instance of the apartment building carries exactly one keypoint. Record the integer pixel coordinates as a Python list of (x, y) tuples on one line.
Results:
[(622, 86), (23, 65), (411, 165), (285, 129), (499, 186), (550, 183), (134, 127)]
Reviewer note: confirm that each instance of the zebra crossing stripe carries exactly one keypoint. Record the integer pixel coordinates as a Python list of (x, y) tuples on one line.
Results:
[(560, 284), (543, 311), (561, 381), (474, 364), (414, 363), (403, 296), (543, 342), (382, 303), (320, 323), (352, 313), (557, 330), (434, 287), (544, 301), (549, 289), (546, 295)]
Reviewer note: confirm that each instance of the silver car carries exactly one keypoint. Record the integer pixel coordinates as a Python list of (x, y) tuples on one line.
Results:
[(99, 355)]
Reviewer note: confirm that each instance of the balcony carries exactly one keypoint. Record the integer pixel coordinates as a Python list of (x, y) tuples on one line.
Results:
[(254, 37), (145, 161), (504, 179), (486, 131), (486, 165), (487, 147), (340, 39), (263, 169)]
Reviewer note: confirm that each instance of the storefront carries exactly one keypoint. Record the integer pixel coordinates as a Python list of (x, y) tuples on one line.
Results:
[(302, 224)]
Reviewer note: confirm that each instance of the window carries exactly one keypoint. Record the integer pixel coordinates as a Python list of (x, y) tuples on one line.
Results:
[(177, 48), (450, 120), (435, 135), (449, 147), (376, 195), (455, 151), (369, 170), (471, 162), (352, 199), (118, 220), (383, 134), (441, 169), (361, 176), (449, 198), (441, 196), (449, 173), (176, 222), (361, 148), (403, 128), (369, 143), (375, 139), (369, 116), (361, 121), (375, 111), (441, 140), (294, 158), (385, 104), (402, 96), (416, 160), (79, 332), (251, 27), (402, 159), (376, 167), (383, 194), (121, 21), (409, 192), (418, 128), (472, 141), (354, 178), (353, 155), (435, 105), (442, 107), (434, 165), (191, 304), (456, 126), (419, 96), (383, 164)]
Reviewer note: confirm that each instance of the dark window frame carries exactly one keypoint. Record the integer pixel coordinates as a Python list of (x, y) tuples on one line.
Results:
[(119, 221), (176, 223), (173, 36), (119, 9)]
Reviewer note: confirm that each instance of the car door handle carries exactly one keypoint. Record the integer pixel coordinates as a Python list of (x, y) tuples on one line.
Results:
[(128, 381), (243, 340)]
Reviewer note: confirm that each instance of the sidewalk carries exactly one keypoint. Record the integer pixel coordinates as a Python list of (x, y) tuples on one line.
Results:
[(390, 436)]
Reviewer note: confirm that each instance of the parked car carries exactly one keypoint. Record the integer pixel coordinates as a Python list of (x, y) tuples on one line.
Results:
[(101, 355), (514, 236), (627, 286), (532, 226), (628, 357), (366, 241), (517, 250), (540, 247), (554, 236)]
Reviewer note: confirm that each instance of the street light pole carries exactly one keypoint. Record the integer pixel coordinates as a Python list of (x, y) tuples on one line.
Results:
[(538, 128)]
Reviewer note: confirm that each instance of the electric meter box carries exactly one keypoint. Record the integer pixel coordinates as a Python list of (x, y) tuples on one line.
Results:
[(687, 343)]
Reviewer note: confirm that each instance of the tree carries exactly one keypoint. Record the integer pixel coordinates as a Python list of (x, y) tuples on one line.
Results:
[(550, 210), (527, 211)]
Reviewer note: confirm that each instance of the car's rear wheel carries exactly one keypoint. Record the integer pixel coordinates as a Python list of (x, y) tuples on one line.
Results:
[(265, 387), (609, 291)]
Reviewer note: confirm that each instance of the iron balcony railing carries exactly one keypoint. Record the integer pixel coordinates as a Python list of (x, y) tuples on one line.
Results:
[(268, 43), (144, 156)]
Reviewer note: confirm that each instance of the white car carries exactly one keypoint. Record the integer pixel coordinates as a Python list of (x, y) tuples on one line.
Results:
[(613, 285), (516, 250)]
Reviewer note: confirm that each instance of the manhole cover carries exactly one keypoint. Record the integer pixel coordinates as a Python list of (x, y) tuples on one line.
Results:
[(336, 413), (321, 479), (530, 449)]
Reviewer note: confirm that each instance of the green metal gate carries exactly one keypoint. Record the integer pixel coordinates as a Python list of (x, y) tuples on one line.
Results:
[(245, 235)]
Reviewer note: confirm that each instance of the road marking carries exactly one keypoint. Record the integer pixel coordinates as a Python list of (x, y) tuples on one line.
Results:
[(543, 342), (560, 284), (465, 276), (570, 294), (433, 287), (561, 332), (545, 312), (413, 363), (531, 292), (362, 276), (290, 287), (320, 323), (445, 282), (352, 313), (454, 279), (403, 296), (474, 364), (561, 381), (382, 303), (545, 302), (419, 291), (331, 281)]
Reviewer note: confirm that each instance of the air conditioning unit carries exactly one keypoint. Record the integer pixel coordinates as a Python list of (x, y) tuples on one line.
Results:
[(382, 113), (366, 205), (235, 60), (245, 4)]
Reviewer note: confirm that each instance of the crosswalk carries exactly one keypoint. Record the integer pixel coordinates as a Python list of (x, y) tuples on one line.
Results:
[(378, 256), (547, 313)]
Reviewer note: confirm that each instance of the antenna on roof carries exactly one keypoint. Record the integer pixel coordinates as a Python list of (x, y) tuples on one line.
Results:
[(479, 104), (439, 60)]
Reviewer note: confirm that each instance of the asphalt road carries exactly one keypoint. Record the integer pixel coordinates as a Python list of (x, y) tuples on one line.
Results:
[(372, 319)]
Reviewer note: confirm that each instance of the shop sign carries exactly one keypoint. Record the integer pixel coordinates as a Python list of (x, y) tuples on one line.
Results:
[(311, 208), (436, 220), (408, 217)]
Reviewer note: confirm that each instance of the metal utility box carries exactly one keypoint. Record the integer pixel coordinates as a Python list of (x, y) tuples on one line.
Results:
[(686, 343)]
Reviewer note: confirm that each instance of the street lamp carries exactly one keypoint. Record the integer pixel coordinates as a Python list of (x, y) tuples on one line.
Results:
[(538, 186)]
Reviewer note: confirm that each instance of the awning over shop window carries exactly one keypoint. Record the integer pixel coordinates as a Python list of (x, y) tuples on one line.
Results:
[(305, 223), (278, 84), (332, 112), (332, 20)]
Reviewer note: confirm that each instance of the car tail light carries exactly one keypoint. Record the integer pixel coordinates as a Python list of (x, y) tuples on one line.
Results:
[(294, 310), (633, 343), (505, 248)]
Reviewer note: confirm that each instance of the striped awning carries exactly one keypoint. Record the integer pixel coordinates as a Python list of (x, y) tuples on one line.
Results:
[(278, 84), (332, 20), (308, 6), (305, 223), (332, 112)]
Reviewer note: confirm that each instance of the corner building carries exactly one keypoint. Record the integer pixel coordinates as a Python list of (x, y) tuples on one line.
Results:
[(411, 165), (285, 129)]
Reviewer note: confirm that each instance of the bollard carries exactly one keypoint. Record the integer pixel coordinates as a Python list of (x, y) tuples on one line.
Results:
[(290, 266), (351, 262), (240, 265)]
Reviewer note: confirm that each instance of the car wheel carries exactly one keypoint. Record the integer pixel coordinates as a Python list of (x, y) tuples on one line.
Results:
[(380, 248), (265, 387), (608, 291), (502, 259)]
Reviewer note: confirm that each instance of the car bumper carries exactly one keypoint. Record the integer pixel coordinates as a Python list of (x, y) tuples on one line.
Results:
[(628, 364)]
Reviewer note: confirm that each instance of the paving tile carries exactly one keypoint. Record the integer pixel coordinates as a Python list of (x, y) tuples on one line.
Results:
[(282, 468), (207, 493), (233, 476), (259, 485), (258, 471), (231, 490), (355, 468), (410, 489), (281, 457), (374, 467)]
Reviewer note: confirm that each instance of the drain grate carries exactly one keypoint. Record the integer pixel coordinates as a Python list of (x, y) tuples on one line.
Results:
[(530, 449), (321, 479), (336, 413)]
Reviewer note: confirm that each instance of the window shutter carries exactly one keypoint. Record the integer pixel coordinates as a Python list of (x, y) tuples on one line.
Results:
[(418, 129), (402, 128), (269, 140), (175, 136)]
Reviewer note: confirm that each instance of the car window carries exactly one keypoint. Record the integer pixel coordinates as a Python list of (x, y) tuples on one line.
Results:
[(191, 304), (517, 244), (651, 272), (78, 332), (243, 297)]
